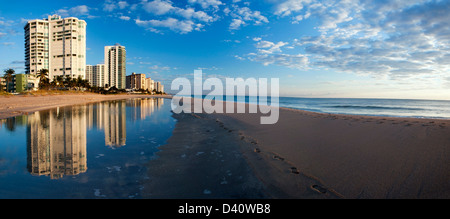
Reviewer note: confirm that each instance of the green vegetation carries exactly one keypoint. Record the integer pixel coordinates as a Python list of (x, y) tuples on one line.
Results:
[(63, 85), (8, 77), (61, 82)]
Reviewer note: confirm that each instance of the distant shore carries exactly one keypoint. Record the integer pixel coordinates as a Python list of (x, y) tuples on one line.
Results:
[(305, 155), (15, 105)]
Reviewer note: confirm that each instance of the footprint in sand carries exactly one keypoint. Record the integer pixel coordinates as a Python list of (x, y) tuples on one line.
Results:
[(319, 189), (278, 157), (294, 170)]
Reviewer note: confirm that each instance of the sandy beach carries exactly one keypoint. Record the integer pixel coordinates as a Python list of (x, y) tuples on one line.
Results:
[(11, 106), (305, 155), (309, 155)]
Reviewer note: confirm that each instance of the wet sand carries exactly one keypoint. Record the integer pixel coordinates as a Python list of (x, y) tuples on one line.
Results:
[(201, 161), (11, 106), (305, 155)]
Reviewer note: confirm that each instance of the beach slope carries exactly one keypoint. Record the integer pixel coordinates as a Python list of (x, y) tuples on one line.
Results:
[(314, 155)]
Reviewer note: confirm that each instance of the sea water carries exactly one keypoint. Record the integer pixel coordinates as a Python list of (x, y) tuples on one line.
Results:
[(437, 109), (434, 109)]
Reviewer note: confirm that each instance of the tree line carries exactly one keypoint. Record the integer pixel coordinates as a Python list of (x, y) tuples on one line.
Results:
[(59, 83), (65, 83)]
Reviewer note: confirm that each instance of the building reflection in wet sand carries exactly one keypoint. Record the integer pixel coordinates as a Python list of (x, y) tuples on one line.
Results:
[(56, 139)]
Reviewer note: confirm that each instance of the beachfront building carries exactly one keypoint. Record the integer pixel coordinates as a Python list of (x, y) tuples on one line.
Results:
[(26, 82), (150, 84), (136, 81), (140, 82), (6, 86), (115, 66), (95, 74), (57, 44), (159, 87), (2, 84)]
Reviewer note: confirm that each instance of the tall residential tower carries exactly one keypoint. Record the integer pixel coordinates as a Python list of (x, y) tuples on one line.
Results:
[(115, 66), (57, 44), (95, 74)]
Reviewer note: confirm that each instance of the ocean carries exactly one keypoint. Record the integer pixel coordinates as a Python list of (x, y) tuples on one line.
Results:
[(434, 109)]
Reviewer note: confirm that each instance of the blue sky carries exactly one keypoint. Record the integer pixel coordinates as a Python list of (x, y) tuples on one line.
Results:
[(351, 48)]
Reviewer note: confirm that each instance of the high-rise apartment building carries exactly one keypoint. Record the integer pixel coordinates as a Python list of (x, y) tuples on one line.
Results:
[(115, 66), (57, 44), (95, 74), (136, 81), (140, 82), (150, 84)]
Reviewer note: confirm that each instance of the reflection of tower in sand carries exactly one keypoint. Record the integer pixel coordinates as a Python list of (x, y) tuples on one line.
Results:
[(56, 142)]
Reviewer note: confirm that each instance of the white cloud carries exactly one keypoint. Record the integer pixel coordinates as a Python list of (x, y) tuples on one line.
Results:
[(194, 15), (7, 43), (182, 20), (157, 7), (162, 68), (289, 6), (5, 23), (190, 13), (298, 61), (242, 16), (236, 24), (267, 47), (239, 58), (111, 5), (173, 24), (206, 3), (390, 39), (125, 18), (123, 4), (270, 53), (81, 10), (165, 7)]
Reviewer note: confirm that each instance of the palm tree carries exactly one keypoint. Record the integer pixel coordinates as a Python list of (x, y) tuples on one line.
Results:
[(9, 76), (43, 78), (69, 82), (59, 81), (86, 84), (79, 82)]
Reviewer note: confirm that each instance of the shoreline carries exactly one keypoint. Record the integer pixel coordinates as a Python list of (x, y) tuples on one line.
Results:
[(309, 155), (305, 155), (11, 106)]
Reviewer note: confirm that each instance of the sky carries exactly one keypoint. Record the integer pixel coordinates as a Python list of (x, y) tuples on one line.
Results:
[(320, 49)]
